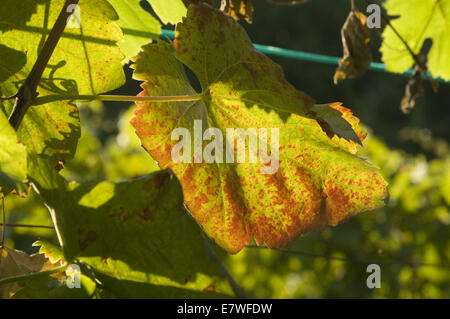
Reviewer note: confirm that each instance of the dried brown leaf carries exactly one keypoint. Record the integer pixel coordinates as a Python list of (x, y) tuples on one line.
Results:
[(355, 39), (238, 9), (15, 262), (414, 90)]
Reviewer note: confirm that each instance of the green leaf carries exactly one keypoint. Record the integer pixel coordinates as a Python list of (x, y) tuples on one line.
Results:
[(52, 252), (15, 263), (11, 62), (332, 122), (127, 158), (138, 26), (50, 287), (169, 11), (318, 182), (13, 159), (136, 235), (419, 20), (85, 61), (54, 286)]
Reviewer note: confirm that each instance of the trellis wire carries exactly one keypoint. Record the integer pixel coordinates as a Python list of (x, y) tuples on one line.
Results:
[(27, 226), (312, 57)]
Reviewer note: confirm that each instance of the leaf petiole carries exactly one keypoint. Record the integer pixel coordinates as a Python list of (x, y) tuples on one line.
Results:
[(118, 98), (32, 275)]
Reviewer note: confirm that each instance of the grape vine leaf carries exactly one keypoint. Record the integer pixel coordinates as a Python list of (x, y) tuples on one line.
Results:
[(319, 181), (138, 26), (54, 286), (13, 159), (85, 61), (169, 11), (334, 119), (136, 235), (50, 251), (418, 21), (15, 262), (355, 35)]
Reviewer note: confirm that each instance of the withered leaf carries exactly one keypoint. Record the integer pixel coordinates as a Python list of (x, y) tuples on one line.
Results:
[(414, 90), (355, 39), (15, 262), (238, 9)]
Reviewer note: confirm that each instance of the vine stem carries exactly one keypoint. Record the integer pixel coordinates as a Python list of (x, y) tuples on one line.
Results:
[(118, 98), (32, 275), (27, 92)]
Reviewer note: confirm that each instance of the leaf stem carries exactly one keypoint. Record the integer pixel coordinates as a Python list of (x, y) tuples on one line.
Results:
[(27, 226), (8, 97), (119, 98), (27, 92), (32, 275)]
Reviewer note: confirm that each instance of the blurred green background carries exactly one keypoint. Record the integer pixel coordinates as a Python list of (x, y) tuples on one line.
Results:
[(409, 238)]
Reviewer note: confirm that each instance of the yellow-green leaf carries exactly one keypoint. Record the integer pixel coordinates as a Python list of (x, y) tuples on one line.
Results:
[(138, 26), (85, 61), (418, 21), (13, 158), (169, 11), (317, 181)]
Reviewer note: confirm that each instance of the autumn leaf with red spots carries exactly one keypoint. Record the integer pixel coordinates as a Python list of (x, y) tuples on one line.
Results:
[(319, 180)]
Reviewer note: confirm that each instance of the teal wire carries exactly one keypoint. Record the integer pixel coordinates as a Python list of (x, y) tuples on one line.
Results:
[(312, 57), (299, 55)]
